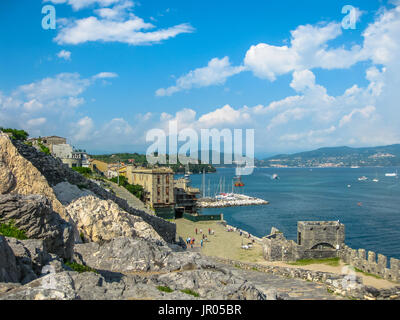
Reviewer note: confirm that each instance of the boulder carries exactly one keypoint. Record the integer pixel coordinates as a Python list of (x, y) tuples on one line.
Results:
[(67, 193), (34, 215), (55, 286), (9, 270), (103, 220), (30, 256), (27, 178), (137, 255)]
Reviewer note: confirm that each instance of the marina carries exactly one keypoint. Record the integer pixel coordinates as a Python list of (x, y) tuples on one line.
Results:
[(230, 200)]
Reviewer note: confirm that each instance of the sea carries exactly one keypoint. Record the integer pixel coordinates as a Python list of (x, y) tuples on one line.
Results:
[(370, 210)]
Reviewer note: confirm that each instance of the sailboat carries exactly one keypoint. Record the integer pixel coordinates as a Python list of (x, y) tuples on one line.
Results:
[(376, 178)]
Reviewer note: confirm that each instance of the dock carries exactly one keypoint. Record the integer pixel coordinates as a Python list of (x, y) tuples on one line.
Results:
[(230, 200)]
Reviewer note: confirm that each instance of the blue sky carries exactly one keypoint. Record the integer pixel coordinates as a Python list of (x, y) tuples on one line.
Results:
[(114, 69)]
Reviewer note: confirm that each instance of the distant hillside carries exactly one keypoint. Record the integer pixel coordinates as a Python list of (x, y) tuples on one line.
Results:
[(141, 160), (338, 156)]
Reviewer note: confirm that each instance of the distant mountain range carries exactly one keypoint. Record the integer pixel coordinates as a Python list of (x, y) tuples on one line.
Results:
[(337, 157)]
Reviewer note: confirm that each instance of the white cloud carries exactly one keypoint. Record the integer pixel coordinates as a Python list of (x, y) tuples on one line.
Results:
[(225, 116), (80, 4), (83, 129), (215, 73), (308, 50), (36, 122), (303, 80), (115, 24), (63, 54), (365, 112), (105, 75)]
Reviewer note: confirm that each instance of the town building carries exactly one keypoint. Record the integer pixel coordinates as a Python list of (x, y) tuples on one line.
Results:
[(315, 240), (185, 197), (158, 185)]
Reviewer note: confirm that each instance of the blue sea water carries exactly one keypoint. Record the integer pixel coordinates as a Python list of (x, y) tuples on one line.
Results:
[(303, 194)]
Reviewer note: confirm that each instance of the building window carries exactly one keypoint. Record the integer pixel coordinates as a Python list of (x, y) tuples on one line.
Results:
[(167, 179), (167, 191), (299, 239), (158, 180)]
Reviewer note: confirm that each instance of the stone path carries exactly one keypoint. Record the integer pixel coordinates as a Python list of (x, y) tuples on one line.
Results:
[(295, 289), (130, 198)]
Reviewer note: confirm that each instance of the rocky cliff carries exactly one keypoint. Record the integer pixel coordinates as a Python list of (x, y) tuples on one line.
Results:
[(117, 252)]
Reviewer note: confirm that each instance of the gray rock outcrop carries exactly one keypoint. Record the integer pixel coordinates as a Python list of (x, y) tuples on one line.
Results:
[(103, 220), (34, 215), (9, 271)]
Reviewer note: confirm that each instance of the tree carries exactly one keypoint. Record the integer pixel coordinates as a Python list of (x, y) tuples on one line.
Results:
[(20, 135)]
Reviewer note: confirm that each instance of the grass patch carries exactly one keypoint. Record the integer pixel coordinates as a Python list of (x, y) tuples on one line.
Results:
[(165, 289), (79, 267), (10, 230), (191, 292), (334, 262), (367, 274)]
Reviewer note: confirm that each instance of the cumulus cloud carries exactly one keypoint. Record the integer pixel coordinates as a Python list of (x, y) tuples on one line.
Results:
[(215, 73), (113, 24), (308, 49), (43, 106)]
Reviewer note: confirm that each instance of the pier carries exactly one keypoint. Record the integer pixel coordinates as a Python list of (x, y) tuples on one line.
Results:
[(230, 200)]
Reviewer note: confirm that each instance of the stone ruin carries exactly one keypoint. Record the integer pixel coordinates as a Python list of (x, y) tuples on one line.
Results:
[(325, 239), (315, 240)]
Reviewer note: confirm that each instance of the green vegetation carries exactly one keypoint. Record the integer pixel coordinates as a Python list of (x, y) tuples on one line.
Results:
[(141, 160), (191, 292), (165, 289), (16, 134), (79, 267), (330, 262), (136, 190), (86, 172), (10, 230), (43, 148), (367, 274)]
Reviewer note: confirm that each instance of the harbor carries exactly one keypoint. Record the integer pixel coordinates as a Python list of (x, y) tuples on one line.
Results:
[(230, 200), (224, 199)]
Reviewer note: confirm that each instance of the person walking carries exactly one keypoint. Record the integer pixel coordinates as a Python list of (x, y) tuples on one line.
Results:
[(201, 243), (196, 230)]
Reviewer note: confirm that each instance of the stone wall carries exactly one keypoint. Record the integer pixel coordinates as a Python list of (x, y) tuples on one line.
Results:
[(342, 284), (55, 172), (370, 262), (277, 248)]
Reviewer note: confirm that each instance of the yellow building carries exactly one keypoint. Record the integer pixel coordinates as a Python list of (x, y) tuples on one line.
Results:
[(158, 185)]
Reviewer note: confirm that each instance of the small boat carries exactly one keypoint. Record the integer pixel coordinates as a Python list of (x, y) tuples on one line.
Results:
[(349, 186), (275, 177), (394, 174), (363, 178), (375, 180)]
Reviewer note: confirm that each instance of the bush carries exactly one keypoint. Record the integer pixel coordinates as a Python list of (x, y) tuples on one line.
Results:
[(43, 148), (16, 134), (9, 230), (82, 170), (136, 190), (79, 267)]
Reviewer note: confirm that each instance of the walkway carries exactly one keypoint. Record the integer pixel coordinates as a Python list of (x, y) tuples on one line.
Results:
[(130, 198)]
